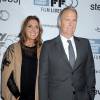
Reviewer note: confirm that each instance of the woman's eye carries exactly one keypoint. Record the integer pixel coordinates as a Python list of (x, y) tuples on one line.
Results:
[(37, 27), (29, 26)]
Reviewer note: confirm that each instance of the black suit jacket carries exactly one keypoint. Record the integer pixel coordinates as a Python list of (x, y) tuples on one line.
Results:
[(58, 80)]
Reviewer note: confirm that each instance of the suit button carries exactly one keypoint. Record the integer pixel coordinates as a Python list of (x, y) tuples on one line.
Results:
[(73, 92)]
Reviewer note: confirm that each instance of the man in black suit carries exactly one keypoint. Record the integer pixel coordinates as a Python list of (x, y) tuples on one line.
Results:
[(66, 63)]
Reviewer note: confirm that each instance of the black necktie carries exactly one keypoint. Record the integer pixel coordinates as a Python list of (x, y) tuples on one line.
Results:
[(71, 53)]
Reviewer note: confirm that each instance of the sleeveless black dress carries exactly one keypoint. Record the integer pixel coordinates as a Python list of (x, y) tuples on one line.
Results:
[(28, 73)]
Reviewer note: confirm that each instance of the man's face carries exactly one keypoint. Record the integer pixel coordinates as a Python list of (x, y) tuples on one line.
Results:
[(68, 23)]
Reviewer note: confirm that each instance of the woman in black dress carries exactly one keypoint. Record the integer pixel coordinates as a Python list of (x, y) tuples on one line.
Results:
[(19, 72)]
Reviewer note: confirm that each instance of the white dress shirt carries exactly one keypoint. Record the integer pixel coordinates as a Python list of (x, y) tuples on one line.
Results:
[(65, 45)]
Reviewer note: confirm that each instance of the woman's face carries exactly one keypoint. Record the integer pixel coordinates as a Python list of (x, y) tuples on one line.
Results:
[(32, 30)]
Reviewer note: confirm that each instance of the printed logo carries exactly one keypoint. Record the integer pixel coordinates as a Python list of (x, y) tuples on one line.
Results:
[(54, 6), (95, 6), (97, 92), (56, 3), (10, 1), (97, 71), (6, 40), (95, 45), (4, 15), (97, 29)]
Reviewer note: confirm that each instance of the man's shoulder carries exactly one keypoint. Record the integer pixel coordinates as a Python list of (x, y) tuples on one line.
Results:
[(51, 41), (81, 39)]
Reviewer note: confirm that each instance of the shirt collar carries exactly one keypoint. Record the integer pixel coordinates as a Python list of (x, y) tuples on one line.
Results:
[(65, 39)]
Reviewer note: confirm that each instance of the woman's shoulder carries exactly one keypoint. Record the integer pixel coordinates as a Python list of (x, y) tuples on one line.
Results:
[(13, 46)]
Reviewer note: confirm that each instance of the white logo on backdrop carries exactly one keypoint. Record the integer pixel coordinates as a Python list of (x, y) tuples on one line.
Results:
[(56, 3), (4, 15)]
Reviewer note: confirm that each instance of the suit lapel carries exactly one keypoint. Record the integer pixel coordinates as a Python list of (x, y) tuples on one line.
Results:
[(61, 51), (79, 52), (63, 55)]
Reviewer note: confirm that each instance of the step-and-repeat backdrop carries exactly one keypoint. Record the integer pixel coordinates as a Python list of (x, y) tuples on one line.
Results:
[(13, 12)]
